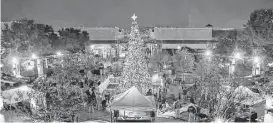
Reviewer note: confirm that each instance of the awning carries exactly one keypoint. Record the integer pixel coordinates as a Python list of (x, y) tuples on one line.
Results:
[(105, 83), (18, 94), (192, 46)]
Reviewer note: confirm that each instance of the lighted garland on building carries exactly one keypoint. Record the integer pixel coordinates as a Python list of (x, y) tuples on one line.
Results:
[(135, 71)]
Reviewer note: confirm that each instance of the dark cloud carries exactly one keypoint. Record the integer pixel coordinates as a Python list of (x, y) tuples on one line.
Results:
[(59, 13)]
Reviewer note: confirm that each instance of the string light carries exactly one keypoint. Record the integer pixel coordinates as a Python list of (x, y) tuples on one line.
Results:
[(135, 71)]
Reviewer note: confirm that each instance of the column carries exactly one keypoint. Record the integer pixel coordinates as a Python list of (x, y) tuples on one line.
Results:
[(256, 70), (46, 63), (39, 67), (232, 67), (16, 69)]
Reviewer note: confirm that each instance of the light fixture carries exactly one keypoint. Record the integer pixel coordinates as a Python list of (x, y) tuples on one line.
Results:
[(14, 60), (256, 59), (178, 47), (33, 56), (92, 47), (208, 53), (237, 55), (59, 53)]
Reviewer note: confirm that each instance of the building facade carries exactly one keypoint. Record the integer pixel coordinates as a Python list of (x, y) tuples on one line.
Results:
[(168, 38)]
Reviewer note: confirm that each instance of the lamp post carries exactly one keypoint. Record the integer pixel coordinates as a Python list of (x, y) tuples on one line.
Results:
[(236, 56), (208, 54), (16, 70), (35, 59), (59, 54), (256, 65)]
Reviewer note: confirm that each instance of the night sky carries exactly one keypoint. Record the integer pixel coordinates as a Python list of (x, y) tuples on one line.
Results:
[(111, 13)]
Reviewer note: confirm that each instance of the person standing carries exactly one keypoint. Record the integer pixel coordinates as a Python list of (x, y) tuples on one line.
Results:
[(149, 93), (93, 99), (192, 111), (107, 97), (89, 100), (103, 103), (89, 75), (176, 106), (99, 100)]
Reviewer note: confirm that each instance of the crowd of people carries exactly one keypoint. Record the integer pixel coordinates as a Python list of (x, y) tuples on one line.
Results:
[(171, 102), (93, 99)]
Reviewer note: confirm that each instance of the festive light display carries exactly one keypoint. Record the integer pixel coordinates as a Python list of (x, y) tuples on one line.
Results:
[(135, 71)]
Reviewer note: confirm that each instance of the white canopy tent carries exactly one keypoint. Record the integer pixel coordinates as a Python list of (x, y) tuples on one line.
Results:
[(133, 100), (23, 93), (245, 96)]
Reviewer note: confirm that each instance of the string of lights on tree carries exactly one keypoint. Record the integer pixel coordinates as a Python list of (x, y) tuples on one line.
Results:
[(135, 71)]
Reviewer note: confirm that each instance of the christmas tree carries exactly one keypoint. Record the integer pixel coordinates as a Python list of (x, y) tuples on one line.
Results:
[(135, 71)]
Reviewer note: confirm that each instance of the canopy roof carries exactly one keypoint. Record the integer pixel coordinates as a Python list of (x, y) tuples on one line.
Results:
[(19, 94), (132, 100), (245, 96)]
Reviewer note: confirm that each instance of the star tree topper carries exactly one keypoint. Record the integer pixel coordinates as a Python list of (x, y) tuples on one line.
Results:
[(134, 17)]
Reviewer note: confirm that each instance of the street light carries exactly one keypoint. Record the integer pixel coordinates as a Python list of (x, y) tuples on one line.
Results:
[(208, 53), (178, 47), (237, 55), (92, 47), (33, 56), (165, 66), (59, 53), (256, 65), (256, 59), (14, 60)]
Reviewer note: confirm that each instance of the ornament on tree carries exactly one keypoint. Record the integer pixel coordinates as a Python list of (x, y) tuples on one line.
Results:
[(135, 71)]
